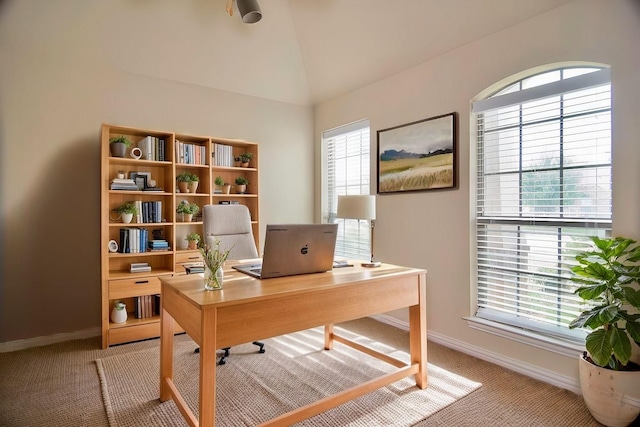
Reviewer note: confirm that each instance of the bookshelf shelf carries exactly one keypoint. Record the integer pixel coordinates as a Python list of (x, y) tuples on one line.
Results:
[(165, 156)]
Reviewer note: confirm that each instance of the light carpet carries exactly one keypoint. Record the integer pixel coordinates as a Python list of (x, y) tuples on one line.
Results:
[(253, 388)]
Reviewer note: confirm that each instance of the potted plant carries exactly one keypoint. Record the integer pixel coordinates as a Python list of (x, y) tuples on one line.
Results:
[(183, 179), (193, 239), (608, 278), (187, 210), (222, 186), (244, 159), (118, 145), (126, 211), (193, 182), (241, 183)]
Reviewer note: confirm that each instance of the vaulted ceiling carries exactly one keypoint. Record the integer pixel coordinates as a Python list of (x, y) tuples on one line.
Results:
[(301, 52)]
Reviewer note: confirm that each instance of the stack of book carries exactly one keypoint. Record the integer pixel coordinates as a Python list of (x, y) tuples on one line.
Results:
[(139, 267), (158, 245), (124, 184), (193, 268)]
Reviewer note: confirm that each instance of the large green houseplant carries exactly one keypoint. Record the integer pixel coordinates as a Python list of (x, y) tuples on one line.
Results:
[(608, 277)]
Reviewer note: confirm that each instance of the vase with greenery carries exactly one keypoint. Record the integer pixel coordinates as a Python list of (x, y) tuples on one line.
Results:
[(241, 183), (193, 239), (187, 210), (193, 182), (183, 179), (118, 145), (126, 211), (608, 278), (244, 159), (222, 186), (213, 259)]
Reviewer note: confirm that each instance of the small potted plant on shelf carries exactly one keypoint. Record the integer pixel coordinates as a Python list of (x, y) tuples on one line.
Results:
[(126, 211), (608, 277), (241, 183), (224, 188), (193, 182), (187, 210), (118, 145), (193, 239), (183, 182), (244, 159)]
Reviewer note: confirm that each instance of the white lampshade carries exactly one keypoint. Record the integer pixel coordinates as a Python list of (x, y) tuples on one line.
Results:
[(357, 207)]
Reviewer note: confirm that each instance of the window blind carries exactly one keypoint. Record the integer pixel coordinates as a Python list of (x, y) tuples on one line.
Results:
[(543, 186), (346, 171)]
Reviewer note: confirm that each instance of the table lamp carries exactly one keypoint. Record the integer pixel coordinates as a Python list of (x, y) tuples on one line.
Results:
[(361, 206)]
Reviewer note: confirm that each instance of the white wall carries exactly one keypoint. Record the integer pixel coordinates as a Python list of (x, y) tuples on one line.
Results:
[(57, 90), (432, 229)]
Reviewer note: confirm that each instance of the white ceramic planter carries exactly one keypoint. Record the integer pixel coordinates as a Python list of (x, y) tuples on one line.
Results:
[(603, 391), (119, 313)]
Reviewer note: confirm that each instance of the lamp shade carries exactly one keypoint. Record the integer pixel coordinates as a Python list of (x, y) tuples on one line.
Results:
[(361, 206), (250, 11)]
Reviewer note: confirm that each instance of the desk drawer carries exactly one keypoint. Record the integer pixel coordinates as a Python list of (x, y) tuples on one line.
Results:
[(125, 288), (186, 257)]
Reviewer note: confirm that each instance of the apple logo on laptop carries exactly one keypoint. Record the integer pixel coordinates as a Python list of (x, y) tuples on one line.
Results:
[(304, 250)]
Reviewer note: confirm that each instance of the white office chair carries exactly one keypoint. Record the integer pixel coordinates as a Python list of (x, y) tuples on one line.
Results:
[(231, 225)]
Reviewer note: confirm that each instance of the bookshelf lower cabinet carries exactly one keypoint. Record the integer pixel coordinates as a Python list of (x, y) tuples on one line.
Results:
[(153, 244)]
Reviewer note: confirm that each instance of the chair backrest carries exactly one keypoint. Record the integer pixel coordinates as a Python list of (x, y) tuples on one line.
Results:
[(231, 225)]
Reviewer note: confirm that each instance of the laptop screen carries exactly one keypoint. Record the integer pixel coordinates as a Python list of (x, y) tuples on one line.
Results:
[(292, 249)]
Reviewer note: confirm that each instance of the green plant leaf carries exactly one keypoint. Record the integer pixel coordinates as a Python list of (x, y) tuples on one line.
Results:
[(591, 292), (621, 344), (632, 296), (598, 345), (608, 314), (633, 328), (584, 318)]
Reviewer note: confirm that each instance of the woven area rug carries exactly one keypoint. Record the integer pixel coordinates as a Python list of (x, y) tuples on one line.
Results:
[(253, 388)]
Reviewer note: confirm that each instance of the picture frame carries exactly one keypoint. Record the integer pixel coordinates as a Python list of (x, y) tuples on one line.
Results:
[(418, 156)]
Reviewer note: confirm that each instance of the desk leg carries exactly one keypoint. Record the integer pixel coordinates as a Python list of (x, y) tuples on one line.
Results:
[(166, 354), (418, 332), (208, 346), (328, 337)]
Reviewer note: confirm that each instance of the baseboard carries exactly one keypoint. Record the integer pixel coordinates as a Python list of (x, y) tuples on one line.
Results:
[(8, 346), (529, 370)]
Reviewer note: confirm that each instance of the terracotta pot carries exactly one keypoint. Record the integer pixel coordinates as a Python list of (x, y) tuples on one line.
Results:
[(193, 244), (241, 189), (183, 186), (193, 186)]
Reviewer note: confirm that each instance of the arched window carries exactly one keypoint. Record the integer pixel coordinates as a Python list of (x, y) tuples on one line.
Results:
[(543, 186)]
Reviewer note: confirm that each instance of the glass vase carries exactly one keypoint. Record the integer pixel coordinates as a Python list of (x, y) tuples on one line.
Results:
[(213, 281)]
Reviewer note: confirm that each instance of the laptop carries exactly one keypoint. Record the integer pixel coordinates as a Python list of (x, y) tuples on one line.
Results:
[(293, 249)]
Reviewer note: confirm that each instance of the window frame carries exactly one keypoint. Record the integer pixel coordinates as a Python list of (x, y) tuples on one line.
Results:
[(567, 341), (354, 236)]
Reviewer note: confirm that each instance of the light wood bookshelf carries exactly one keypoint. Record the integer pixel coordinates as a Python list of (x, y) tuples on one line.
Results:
[(117, 283)]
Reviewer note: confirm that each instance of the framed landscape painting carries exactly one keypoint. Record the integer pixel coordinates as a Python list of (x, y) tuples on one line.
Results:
[(418, 156)]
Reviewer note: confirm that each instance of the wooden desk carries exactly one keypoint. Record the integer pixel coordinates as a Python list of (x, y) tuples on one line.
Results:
[(248, 309)]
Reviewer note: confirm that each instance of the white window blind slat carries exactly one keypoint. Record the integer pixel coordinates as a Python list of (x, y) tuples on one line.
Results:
[(544, 186)]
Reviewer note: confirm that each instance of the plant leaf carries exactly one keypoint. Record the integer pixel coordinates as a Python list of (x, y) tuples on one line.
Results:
[(621, 344), (591, 292), (598, 345), (608, 314), (633, 328), (632, 296), (584, 318)]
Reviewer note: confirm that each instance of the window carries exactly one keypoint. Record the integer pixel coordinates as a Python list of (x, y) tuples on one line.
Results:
[(543, 186), (345, 171)]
